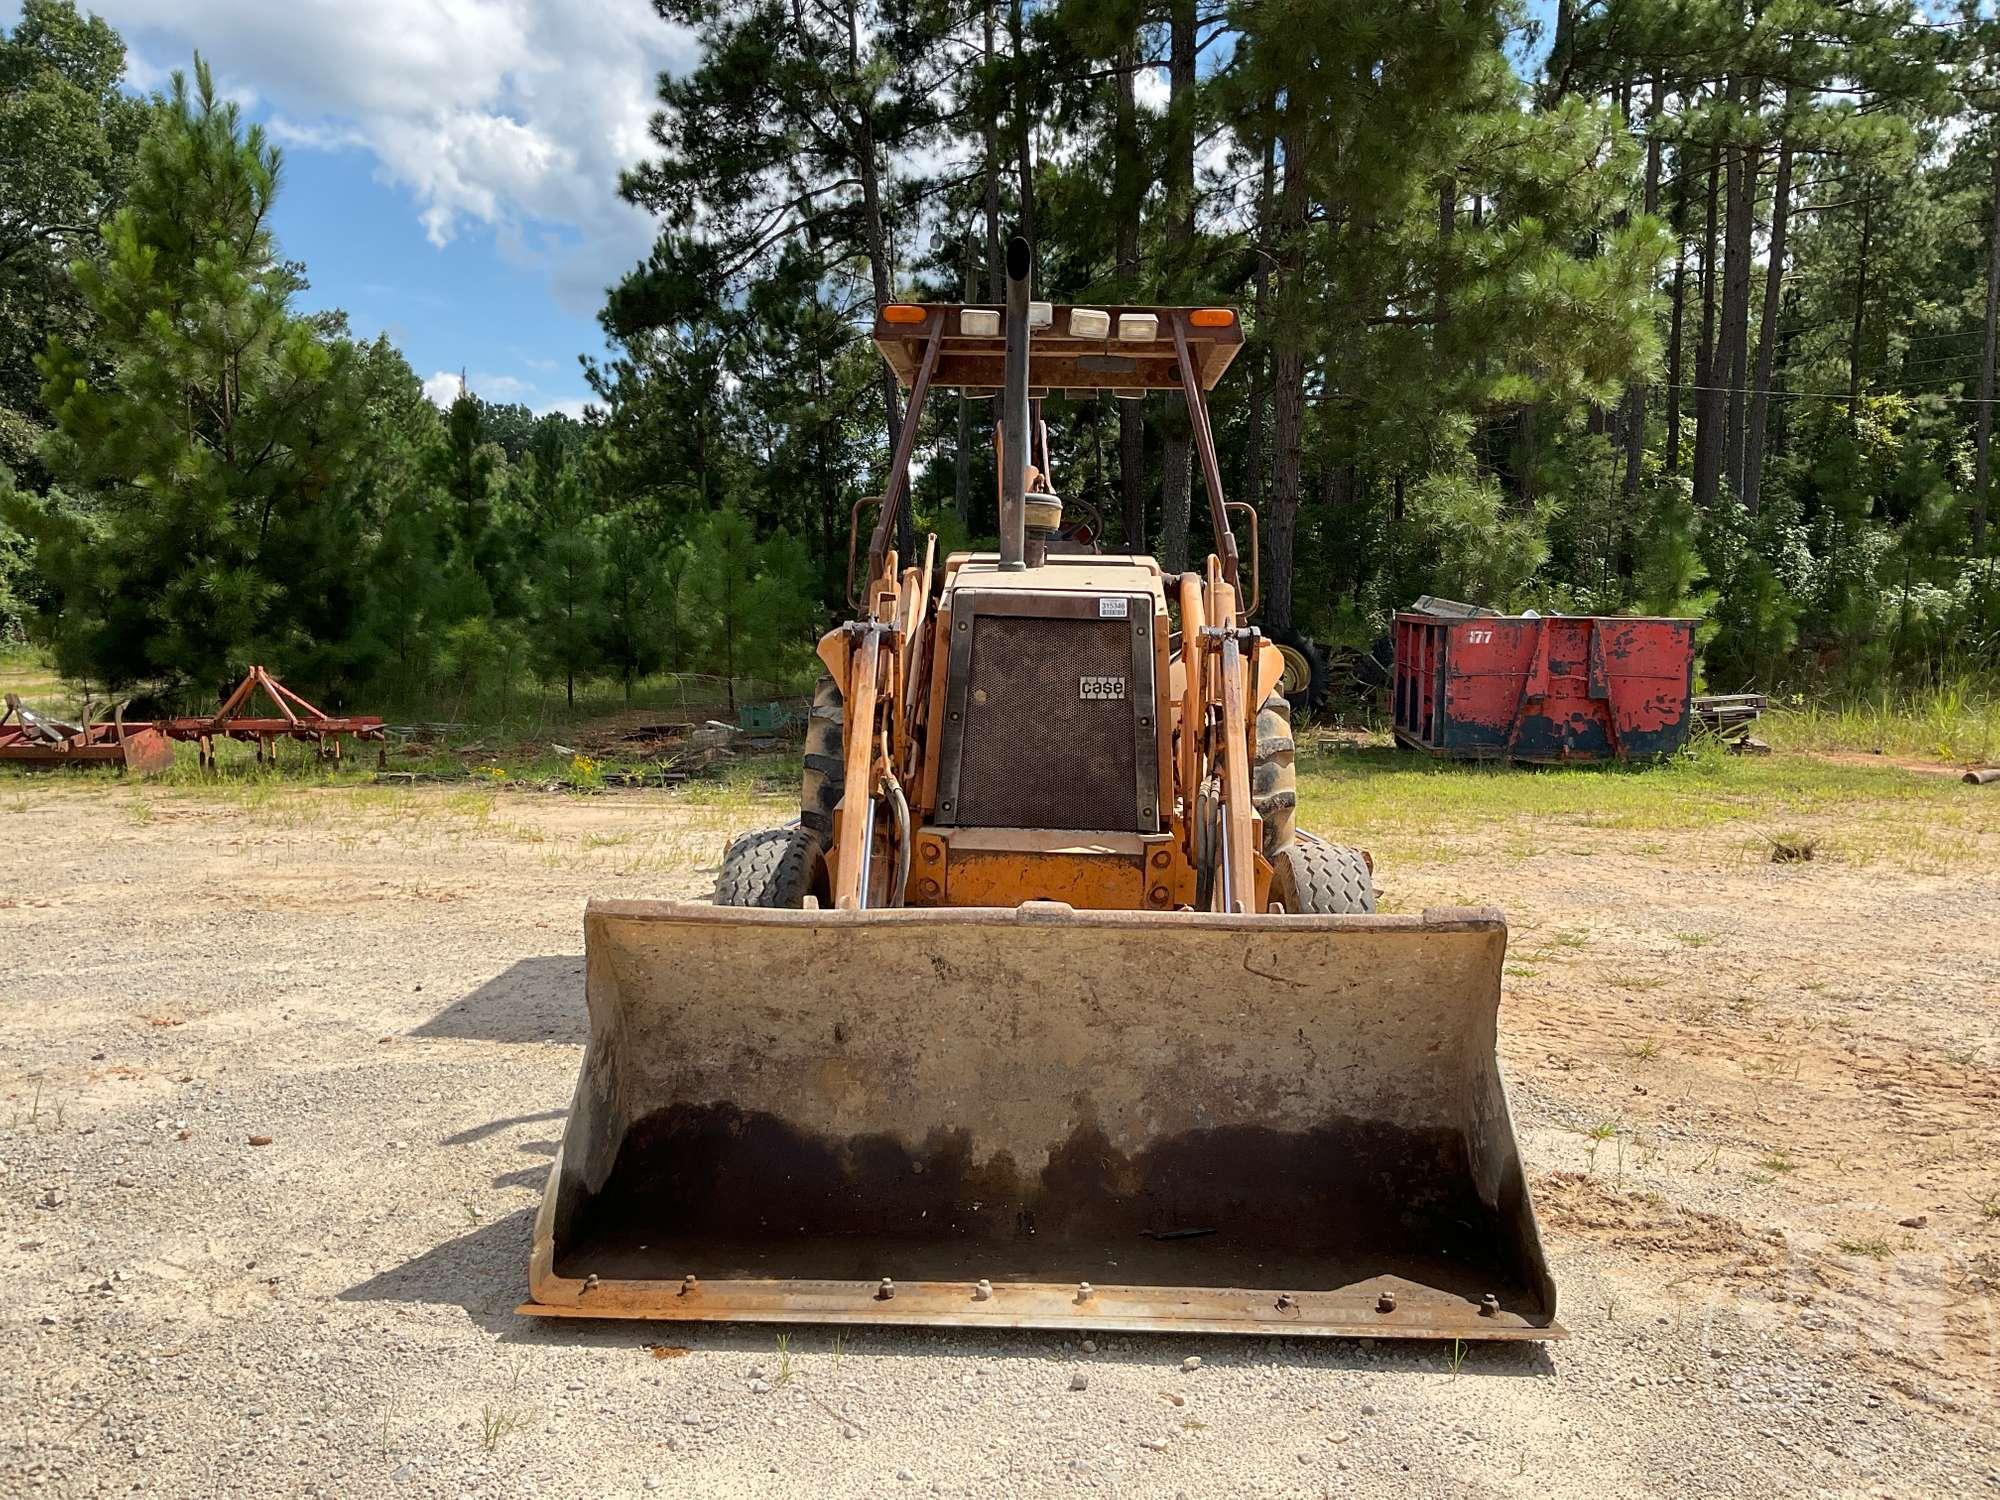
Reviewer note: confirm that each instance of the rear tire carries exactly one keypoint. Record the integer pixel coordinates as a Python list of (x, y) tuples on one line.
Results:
[(825, 766), (1309, 878), (778, 867), (1274, 780), (1305, 683)]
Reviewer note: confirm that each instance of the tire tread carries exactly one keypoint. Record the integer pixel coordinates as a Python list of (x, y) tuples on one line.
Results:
[(772, 868), (1315, 878)]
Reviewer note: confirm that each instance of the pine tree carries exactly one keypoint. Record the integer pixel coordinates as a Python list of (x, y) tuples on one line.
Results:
[(636, 626), (786, 131), (565, 583), (215, 452)]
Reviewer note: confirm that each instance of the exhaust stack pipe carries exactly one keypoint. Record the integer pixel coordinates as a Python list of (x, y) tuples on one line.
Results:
[(1014, 412)]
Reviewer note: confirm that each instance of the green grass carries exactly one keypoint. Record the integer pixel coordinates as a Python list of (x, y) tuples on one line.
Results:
[(1414, 809), (1955, 723), (29, 673)]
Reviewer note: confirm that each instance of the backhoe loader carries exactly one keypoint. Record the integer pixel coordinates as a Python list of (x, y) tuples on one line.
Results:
[(1045, 1013)]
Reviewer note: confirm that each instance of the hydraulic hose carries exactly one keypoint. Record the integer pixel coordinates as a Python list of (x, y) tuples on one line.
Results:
[(899, 805)]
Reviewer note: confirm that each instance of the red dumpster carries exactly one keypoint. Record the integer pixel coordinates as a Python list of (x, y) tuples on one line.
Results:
[(1547, 689)]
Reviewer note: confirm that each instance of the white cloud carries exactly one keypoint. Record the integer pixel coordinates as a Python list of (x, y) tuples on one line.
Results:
[(517, 115), (442, 388), (500, 388), (322, 137)]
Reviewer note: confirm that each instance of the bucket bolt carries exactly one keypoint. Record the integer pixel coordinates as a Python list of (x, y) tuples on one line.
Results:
[(1386, 1302), (886, 1290), (1085, 1291), (982, 1290), (1286, 1302), (1488, 1305), (590, 1282), (687, 1285)]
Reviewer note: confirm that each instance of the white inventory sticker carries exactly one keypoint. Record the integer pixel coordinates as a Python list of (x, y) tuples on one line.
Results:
[(1113, 607), (1100, 689)]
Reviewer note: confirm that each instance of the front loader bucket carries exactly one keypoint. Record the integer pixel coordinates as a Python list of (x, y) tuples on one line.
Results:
[(1044, 1118)]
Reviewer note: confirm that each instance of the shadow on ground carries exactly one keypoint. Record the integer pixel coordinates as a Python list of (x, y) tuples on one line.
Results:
[(484, 1271), (532, 1000)]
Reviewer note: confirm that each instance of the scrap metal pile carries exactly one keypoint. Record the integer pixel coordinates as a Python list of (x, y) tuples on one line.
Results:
[(29, 738)]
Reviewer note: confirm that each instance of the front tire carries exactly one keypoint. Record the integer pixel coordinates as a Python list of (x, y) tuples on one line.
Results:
[(775, 868), (1310, 878)]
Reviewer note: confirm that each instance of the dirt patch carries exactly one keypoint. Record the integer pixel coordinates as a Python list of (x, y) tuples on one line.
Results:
[(1647, 1225), (1899, 762)]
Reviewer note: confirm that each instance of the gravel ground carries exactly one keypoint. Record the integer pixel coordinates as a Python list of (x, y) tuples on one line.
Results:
[(280, 1078)]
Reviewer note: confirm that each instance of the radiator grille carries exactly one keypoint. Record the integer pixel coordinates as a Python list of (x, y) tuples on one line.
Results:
[(1035, 752)]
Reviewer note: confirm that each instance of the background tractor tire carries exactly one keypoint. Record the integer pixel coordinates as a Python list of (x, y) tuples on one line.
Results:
[(1309, 878), (1274, 782), (1306, 682), (778, 867), (825, 768)]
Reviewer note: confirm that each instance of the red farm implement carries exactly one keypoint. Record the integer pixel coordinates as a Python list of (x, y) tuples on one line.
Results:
[(294, 719), (29, 738), (1557, 688)]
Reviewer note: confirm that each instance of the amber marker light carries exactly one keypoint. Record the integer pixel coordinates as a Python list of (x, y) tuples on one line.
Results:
[(1212, 317), (902, 312)]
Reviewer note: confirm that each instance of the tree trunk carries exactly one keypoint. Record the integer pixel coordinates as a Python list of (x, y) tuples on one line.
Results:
[(1176, 488), (1708, 405), (1781, 411), (1128, 188), (1260, 354), (1677, 318), (1527, 457), (961, 462), (996, 276), (1635, 399), (1735, 334), (1562, 53), (1983, 443), (1024, 149), (868, 169), (1176, 443), (1767, 330), (1288, 382), (1860, 309)]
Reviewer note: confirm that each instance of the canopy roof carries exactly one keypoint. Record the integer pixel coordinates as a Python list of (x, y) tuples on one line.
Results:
[(1057, 358)]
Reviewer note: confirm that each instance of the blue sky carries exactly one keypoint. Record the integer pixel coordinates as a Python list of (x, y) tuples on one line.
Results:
[(450, 165)]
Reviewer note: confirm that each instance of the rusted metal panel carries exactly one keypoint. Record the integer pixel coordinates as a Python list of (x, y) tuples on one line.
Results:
[(1238, 1123), (1559, 688), (1375, 1307)]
